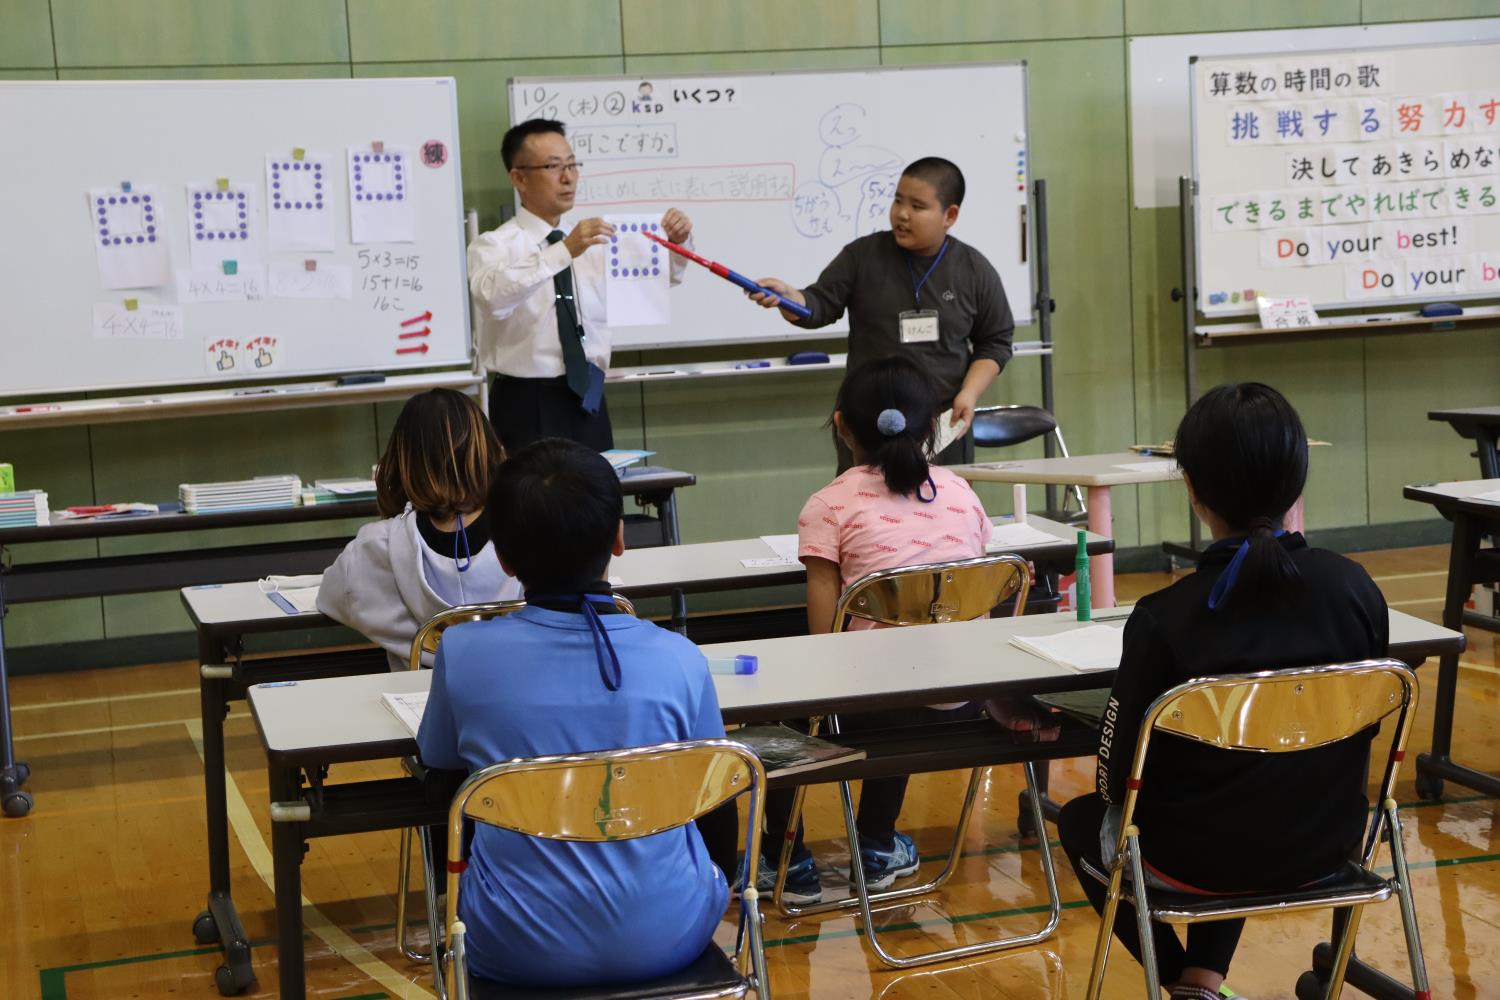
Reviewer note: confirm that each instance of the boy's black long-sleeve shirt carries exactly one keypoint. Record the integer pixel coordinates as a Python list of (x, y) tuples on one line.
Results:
[(1228, 820), (874, 279)]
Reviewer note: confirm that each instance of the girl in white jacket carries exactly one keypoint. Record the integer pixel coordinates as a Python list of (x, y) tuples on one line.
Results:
[(432, 551)]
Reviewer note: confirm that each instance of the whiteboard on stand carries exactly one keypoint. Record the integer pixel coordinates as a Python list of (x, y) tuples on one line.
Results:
[(1360, 177), (779, 171), (177, 233)]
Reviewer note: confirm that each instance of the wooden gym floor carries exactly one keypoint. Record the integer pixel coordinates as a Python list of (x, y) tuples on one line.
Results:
[(100, 884)]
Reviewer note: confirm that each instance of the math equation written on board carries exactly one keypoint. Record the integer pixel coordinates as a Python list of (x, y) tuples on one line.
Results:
[(388, 280)]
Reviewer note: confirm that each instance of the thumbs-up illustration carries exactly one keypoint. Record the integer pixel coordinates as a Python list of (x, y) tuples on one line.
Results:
[(226, 361), (263, 358)]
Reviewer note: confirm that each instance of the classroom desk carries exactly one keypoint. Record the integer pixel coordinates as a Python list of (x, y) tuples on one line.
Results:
[(1480, 424), (105, 576), (1469, 562), (798, 675), (1098, 474), (223, 615)]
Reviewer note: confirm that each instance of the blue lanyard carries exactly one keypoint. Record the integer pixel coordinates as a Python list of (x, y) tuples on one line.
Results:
[(609, 671), (1226, 581), (918, 283)]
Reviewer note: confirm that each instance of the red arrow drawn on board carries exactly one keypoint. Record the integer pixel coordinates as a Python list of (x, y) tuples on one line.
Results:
[(415, 333), (419, 349), (425, 317)]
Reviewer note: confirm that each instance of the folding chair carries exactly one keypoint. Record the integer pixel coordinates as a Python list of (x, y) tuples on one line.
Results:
[(1012, 424), (425, 644), (649, 790), (924, 595), (1277, 711)]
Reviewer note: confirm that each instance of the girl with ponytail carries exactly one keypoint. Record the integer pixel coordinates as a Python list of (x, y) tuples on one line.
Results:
[(1260, 599)]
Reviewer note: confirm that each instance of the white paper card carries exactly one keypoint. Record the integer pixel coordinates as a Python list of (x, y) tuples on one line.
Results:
[(222, 225), (248, 284), (785, 546), (767, 562), (407, 708), (292, 280), (130, 242), (299, 202), (1004, 537), (1094, 647), (380, 202), (148, 321), (947, 432), (637, 280)]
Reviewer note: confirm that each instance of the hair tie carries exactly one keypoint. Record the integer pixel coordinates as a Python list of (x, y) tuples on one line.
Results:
[(891, 422), (1262, 524)]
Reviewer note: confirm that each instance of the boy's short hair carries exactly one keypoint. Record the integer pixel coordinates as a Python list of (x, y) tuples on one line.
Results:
[(554, 511), (944, 176), (516, 136)]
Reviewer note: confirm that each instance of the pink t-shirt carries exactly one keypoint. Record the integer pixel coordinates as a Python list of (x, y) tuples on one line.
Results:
[(857, 522)]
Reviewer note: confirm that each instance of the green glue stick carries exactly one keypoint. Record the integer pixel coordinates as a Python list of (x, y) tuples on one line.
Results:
[(1081, 575)]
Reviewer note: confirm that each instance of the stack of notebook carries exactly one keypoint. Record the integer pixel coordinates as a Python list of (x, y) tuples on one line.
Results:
[(338, 491), (260, 493), (25, 509)]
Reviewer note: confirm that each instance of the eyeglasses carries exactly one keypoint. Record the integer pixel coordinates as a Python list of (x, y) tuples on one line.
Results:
[(572, 166)]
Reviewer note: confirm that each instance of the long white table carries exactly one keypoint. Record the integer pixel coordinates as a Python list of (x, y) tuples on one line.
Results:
[(799, 675)]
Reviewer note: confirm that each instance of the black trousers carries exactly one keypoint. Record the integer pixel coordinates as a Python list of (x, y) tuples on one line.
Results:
[(524, 410), (880, 799), (1209, 945)]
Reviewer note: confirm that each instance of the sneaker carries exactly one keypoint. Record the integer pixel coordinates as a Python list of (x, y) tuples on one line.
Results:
[(803, 887), (884, 865)]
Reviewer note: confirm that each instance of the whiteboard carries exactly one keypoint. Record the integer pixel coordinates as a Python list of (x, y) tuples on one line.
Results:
[(780, 170), (1160, 136), (1349, 177), (71, 146)]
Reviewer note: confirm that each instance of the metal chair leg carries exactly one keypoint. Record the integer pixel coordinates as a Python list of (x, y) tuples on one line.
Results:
[(1075, 489), (1408, 906), (403, 888), (1142, 912), (1106, 935), (1342, 952)]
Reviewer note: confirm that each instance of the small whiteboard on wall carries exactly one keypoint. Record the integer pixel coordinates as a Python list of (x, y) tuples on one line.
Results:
[(171, 233), (778, 171), (1351, 178)]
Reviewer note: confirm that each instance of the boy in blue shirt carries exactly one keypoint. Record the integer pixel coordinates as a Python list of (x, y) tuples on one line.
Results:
[(568, 673)]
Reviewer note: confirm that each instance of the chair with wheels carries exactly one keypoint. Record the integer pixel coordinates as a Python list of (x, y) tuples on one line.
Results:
[(558, 798), (922, 595), (424, 646), (1277, 711)]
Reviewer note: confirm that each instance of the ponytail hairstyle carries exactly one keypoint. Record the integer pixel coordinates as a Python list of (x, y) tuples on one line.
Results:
[(890, 408), (441, 458), (1244, 450)]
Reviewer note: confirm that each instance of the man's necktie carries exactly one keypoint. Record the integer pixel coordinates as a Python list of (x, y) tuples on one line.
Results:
[(585, 379)]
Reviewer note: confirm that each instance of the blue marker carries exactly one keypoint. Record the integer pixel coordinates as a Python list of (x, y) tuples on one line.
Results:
[(753, 364)]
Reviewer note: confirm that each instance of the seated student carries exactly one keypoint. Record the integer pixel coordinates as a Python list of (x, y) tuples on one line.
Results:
[(1260, 599), (890, 509), (432, 550), (565, 674)]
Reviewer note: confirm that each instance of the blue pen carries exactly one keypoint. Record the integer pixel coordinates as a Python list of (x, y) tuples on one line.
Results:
[(728, 275), (753, 364)]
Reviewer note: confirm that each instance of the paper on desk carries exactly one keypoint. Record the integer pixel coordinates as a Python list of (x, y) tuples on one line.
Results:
[(767, 562), (1094, 647), (638, 279), (784, 546), (1149, 467), (1009, 536), (1491, 497), (407, 708)]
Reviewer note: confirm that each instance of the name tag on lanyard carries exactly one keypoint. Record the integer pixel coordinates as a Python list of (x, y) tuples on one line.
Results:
[(920, 326)]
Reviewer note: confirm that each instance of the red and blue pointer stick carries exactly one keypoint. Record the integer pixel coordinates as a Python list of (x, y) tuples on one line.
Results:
[(733, 276)]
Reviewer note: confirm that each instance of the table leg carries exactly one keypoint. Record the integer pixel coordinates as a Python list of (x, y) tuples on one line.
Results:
[(13, 773), (1489, 459), (1101, 567), (672, 535), (221, 921), (286, 857)]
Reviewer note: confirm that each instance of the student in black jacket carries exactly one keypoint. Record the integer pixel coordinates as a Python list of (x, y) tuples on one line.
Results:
[(1260, 599)]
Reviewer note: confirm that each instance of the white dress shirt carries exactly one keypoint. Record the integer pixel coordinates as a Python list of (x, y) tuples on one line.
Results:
[(510, 276)]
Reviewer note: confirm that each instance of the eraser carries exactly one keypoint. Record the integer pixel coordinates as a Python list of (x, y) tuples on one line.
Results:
[(362, 378), (1442, 309), (739, 665), (808, 358)]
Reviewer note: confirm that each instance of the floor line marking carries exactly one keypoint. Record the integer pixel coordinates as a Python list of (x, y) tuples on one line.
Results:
[(120, 728), (139, 696), (247, 831)]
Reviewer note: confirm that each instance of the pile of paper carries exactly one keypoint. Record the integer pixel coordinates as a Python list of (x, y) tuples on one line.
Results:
[(1094, 647), (25, 509), (260, 493), (338, 491)]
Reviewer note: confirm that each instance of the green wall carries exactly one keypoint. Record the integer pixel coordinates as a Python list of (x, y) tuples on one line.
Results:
[(757, 446)]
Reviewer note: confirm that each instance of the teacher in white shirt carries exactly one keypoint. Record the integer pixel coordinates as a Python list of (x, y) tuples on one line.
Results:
[(540, 292)]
